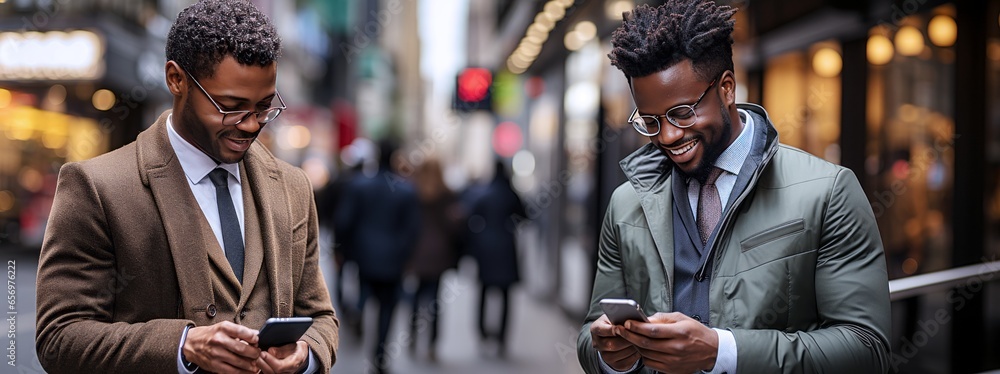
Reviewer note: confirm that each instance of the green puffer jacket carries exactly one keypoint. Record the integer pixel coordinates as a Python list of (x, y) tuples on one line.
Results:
[(798, 274)]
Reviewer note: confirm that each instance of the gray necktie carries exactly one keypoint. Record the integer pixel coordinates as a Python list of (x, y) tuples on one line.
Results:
[(709, 206), (232, 236)]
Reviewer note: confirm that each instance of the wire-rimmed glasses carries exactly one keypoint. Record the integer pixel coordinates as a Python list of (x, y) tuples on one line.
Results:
[(681, 116), (235, 117)]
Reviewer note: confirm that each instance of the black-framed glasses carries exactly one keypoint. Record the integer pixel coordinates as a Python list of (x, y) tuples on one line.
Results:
[(681, 116), (236, 117)]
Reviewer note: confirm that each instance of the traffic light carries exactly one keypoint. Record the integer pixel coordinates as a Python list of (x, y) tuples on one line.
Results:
[(473, 90)]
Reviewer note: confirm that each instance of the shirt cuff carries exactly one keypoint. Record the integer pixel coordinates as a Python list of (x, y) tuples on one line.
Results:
[(312, 364), (184, 367), (725, 359), (608, 370)]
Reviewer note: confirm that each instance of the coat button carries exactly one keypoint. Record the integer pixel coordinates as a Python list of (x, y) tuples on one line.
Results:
[(211, 311), (243, 314)]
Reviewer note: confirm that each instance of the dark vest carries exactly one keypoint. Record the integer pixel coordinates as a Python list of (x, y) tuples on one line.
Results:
[(691, 295)]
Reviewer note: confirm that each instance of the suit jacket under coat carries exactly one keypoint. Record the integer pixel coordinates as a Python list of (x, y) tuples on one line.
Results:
[(128, 259)]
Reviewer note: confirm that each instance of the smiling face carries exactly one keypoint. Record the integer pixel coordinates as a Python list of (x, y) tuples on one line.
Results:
[(693, 149), (234, 87)]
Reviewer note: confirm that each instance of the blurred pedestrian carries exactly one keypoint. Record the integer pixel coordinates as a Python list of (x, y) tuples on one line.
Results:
[(354, 159), (437, 249), (378, 218), (494, 213)]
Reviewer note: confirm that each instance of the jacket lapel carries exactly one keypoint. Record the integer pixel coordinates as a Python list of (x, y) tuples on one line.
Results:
[(649, 173), (161, 172), (254, 254), (658, 208), (273, 216)]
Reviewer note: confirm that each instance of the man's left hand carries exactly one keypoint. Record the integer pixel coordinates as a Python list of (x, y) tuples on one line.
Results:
[(286, 359), (673, 343)]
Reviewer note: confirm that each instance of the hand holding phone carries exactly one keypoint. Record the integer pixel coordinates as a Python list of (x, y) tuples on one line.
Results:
[(621, 310), (282, 331)]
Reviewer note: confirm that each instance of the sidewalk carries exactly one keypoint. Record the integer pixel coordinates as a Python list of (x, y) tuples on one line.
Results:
[(540, 338)]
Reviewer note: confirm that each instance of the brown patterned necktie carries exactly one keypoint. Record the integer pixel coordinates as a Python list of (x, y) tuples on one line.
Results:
[(709, 206)]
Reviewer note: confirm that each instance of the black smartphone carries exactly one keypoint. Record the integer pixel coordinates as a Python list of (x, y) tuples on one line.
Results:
[(621, 310), (281, 331)]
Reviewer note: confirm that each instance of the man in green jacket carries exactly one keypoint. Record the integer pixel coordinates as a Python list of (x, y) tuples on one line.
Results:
[(755, 257)]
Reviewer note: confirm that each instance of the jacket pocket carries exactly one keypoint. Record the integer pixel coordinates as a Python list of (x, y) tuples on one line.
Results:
[(300, 231), (777, 232)]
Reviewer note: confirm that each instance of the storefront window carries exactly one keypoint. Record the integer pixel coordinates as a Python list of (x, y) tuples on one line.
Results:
[(35, 140), (910, 120), (802, 97)]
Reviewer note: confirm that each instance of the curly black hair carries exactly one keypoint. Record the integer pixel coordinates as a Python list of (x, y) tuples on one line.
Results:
[(209, 30), (653, 39)]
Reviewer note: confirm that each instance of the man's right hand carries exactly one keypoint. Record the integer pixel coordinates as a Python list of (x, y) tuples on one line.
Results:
[(224, 347), (617, 352)]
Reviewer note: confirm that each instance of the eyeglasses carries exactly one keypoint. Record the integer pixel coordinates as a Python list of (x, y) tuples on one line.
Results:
[(236, 117), (681, 116)]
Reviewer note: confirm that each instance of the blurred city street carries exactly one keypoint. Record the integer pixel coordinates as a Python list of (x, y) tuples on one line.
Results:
[(542, 338), (542, 341), (478, 143)]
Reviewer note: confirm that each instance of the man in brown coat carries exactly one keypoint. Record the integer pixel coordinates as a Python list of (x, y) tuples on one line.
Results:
[(169, 253)]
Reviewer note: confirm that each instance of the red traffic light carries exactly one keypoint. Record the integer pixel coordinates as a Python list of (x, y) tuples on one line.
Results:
[(474, 84)]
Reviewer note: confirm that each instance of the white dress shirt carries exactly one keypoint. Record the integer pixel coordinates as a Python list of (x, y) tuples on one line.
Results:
[(197, 165), (730, 161)]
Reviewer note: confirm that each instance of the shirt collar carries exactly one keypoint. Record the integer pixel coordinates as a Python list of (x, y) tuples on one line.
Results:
[(195, 163), (731, 160)]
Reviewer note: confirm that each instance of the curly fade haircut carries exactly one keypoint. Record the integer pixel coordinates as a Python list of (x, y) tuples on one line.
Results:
[(653, 39), (209, 30)]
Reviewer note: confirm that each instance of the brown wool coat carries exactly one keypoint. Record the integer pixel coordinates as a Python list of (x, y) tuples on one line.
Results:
[(129, 260)]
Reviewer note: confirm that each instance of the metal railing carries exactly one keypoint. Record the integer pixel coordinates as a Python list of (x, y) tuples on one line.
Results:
[(942, 280)]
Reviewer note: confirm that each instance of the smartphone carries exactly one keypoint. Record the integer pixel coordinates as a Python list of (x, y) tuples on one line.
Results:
[(621, 310), (281, 331)]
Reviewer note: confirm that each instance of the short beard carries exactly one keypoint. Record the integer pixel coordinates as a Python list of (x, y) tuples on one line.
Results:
[(198, 130), (714, 150)]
